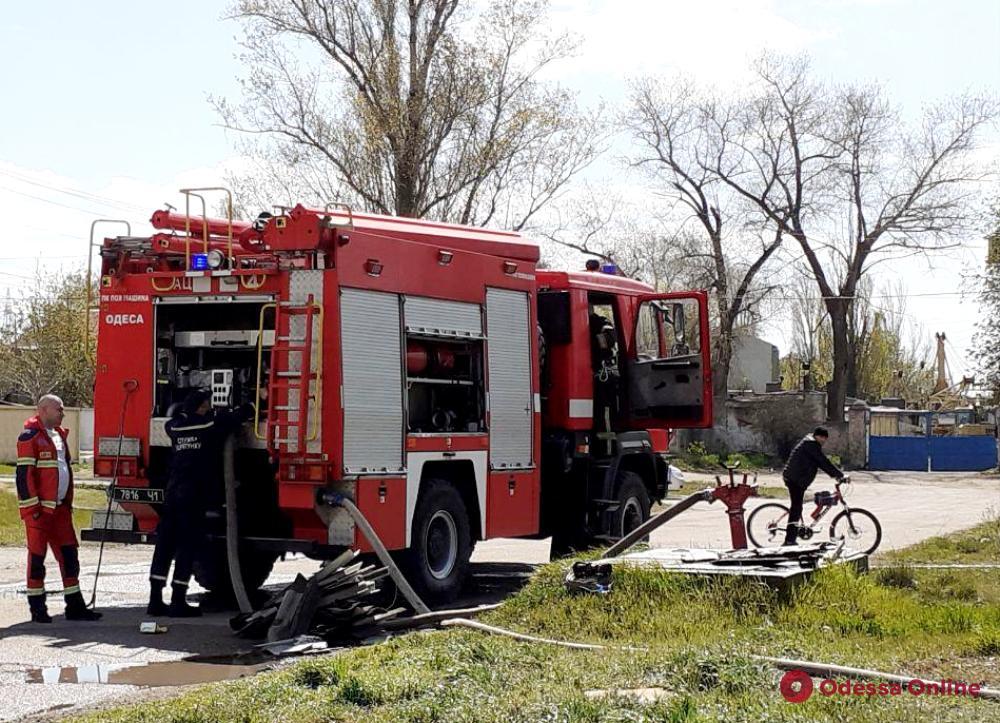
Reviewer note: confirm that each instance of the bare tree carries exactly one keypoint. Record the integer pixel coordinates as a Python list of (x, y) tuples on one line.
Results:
[(44, 345), (837, 170), (605, 226), (674, 125), (808, 314), (985, 349), (669, 255), (409, 107), (889, 353)]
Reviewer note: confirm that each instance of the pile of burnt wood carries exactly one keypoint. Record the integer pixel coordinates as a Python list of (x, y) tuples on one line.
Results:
[(337, 603)]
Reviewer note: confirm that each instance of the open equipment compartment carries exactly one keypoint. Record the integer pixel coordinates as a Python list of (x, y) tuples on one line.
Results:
[(197, 347)]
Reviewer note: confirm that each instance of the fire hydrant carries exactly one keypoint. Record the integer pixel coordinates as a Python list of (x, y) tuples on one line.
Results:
[(734, 495)]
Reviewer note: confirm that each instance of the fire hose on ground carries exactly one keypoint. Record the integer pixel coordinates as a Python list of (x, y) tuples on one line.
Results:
[(810, 667), (335, 499)]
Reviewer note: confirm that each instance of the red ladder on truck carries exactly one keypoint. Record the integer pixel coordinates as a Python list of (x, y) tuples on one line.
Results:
[(291, 391)]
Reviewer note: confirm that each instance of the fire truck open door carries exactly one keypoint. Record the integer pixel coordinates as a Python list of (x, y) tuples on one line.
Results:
[(669, 372)]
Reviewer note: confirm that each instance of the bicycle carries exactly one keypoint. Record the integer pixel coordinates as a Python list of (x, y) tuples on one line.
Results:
[(767, 525)]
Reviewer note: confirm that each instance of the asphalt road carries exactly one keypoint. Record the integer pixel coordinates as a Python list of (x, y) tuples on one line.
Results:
[(911, 508)]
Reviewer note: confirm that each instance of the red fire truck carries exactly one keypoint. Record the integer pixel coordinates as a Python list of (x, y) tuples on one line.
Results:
[(432, 373)]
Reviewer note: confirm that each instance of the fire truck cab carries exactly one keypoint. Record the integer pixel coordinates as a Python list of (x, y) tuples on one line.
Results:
[(429, 372)]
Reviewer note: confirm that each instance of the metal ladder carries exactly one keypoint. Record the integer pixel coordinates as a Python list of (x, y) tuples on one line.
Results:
[(292, 391), (90, 304)]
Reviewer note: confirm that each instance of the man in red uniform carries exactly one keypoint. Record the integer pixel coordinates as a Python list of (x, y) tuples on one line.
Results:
[(45, 498)]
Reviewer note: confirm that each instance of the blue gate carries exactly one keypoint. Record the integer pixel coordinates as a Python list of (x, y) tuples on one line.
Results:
[(921, 441), (902, 453)]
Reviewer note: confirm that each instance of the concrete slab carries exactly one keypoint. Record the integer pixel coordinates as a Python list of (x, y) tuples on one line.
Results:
[(756, 565)]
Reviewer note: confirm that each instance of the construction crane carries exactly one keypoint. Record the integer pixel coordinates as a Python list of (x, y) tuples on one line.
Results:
[(947, 396)]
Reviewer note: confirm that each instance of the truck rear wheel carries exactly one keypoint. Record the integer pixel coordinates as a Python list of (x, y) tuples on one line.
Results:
[(437, 561), (211, 569), (633, 505)]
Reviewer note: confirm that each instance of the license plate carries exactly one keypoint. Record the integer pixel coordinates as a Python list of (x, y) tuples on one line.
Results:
[(137, 494)]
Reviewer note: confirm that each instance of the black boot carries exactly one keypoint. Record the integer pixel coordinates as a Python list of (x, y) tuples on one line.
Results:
[(39, 614), (76, 608), (156, 607), (178, 604)]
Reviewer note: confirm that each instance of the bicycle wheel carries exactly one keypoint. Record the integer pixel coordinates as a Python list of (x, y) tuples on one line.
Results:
[(767, 525), (859, 528)]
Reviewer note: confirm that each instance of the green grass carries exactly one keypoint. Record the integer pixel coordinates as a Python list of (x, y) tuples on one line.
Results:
[(777, 493), (977, 544), (696, 458), (12, 527), (81, 470), (698, 637)]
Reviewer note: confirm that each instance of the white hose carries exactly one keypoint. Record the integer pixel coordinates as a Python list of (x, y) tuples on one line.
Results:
[(492, 629), (782, 663)]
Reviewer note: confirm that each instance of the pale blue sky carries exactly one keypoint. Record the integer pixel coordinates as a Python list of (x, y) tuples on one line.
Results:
[(118, 87), (114, 87), (110, 97)]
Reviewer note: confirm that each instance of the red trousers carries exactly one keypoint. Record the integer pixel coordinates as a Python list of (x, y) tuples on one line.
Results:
[(53, 530)]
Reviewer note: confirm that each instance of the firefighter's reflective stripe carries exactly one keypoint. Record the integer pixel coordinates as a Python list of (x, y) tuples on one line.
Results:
[(32, 591), (26, 461), (71, 590), (193, 427), (46, 463), (30, 502), (51, 504)]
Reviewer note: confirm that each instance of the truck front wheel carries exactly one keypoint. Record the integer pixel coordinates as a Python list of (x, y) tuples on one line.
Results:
[(633, 505), (441, 543)]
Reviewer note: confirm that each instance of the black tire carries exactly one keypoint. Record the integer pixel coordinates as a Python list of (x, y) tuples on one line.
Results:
[(633, 504), (866, 526), (767, 525), (437, 562), (211, 569)]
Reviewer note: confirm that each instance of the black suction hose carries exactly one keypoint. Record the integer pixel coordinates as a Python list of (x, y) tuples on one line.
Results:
[(232, 526)]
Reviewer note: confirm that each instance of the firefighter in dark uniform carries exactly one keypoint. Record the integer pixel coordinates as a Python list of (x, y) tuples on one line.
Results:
[(44, 481), (604, 361), (805, 460), (197, 435)]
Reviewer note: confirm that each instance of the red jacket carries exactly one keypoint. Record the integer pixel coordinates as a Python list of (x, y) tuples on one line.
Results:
[(38, 470)]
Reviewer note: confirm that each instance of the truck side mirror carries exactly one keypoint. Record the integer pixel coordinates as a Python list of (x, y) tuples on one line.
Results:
[(680, 327)]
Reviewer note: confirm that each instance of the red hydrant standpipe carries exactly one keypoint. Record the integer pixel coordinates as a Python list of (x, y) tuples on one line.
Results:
[(734, 496)]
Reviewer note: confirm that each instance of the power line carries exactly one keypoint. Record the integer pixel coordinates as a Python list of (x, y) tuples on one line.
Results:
[(89, 212), (17, 276), (922, 294), (42, 257), (84, 195)]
